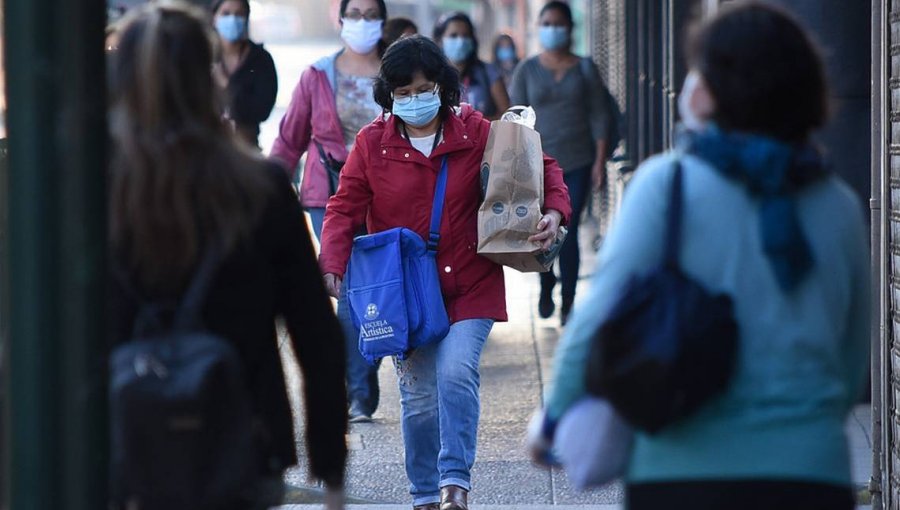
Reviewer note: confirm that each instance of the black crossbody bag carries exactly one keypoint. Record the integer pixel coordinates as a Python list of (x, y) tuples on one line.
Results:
[(332, 168)]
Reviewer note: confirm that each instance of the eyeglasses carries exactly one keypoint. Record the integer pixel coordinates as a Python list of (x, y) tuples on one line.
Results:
[(407, 98), (355, 15)]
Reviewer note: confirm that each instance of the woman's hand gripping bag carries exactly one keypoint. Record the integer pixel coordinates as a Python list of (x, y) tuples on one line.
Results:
[(512, 176)]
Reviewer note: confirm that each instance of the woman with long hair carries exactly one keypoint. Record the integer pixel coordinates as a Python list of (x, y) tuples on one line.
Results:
[(765, 222), (482, 84), (389, 181), (181, 187), (506, 57)]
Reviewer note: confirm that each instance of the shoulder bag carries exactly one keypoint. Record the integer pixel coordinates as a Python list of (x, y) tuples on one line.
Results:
[(393, 287), (668, 345)]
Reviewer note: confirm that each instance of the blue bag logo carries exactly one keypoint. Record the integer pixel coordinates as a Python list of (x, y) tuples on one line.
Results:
[(393, 287), (375, 330)]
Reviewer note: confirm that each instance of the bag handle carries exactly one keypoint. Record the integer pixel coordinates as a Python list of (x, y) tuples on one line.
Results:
[(437, 208), (673, 221)]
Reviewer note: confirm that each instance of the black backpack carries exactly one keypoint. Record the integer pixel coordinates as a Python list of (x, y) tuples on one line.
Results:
[(182, 425)]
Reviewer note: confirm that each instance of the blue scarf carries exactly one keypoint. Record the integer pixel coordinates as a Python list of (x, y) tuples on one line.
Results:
[(773, 171)]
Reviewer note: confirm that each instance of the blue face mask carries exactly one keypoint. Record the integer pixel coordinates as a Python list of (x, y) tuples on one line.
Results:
[(232, 28), (458, 49), (506, 54), (420, 110), (552, 37)]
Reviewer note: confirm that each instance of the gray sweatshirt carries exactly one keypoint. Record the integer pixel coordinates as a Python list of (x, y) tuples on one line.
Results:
[(572, 114)]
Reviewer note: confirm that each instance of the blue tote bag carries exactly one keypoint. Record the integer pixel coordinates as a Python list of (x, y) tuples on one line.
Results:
[(393, 287)]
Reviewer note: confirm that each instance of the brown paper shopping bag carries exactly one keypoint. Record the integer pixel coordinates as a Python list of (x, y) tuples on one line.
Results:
[(513, 180)]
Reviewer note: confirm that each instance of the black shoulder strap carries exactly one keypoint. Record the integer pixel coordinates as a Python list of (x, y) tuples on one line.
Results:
[(323, 156), (673, 219), (188, 314)]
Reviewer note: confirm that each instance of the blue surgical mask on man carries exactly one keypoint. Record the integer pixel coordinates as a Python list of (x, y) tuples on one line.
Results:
[(420, 110), (553, 37), (231, 27), (458, 49)]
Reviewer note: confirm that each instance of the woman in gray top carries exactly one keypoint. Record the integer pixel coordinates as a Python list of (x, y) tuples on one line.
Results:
[(568, 96)]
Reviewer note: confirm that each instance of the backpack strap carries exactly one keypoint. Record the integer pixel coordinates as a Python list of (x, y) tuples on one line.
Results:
[(673, 220), (437, 208), (584, 66), (187, 316)]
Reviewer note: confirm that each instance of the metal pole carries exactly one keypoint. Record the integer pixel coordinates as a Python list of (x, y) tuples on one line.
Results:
[(878, 485), (57, 137)]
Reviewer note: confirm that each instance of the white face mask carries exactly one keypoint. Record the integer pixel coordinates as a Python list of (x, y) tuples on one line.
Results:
[(689, 118), (361, 35)]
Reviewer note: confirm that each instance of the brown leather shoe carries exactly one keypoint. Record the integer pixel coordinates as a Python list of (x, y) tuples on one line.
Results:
[(428, 506), (454, 497)]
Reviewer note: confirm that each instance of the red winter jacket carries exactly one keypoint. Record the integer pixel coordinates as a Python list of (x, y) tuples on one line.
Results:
[(387, 183)]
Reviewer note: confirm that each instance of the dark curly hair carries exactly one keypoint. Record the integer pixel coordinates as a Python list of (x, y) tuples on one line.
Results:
[(408, 55), (763, 70)]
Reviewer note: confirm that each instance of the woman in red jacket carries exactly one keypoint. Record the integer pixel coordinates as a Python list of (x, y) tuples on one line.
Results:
[(389, 181)]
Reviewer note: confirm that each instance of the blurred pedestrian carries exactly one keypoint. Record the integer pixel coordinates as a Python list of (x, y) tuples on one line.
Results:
[(482, 85), (506, 57), (331, 103), (181, 184), (388, 182), (568, 96), (244, 69), (398, 27), (766, 223)]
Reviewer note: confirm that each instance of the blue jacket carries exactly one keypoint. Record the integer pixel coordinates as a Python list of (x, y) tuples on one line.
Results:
[(802, 353)]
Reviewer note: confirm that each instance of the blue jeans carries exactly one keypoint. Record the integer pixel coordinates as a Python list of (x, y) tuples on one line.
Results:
[(362, 378), (579, 183), (317, 218), (440, 407)]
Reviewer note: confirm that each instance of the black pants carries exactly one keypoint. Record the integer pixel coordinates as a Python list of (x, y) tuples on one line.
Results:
[(738, 495)]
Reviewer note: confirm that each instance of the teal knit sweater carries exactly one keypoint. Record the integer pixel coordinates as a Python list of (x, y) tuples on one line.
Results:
[(802, 356)]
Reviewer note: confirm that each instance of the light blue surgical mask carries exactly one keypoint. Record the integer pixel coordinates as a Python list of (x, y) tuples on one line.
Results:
[(553, 37), (231, 27), (506, 54), (419, 109), (458, 49)]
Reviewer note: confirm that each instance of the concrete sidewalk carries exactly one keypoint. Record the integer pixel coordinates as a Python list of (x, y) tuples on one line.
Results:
[(514, 369)]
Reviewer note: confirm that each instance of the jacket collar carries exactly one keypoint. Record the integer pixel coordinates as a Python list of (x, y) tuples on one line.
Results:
[(455, 135), (327, 66)]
